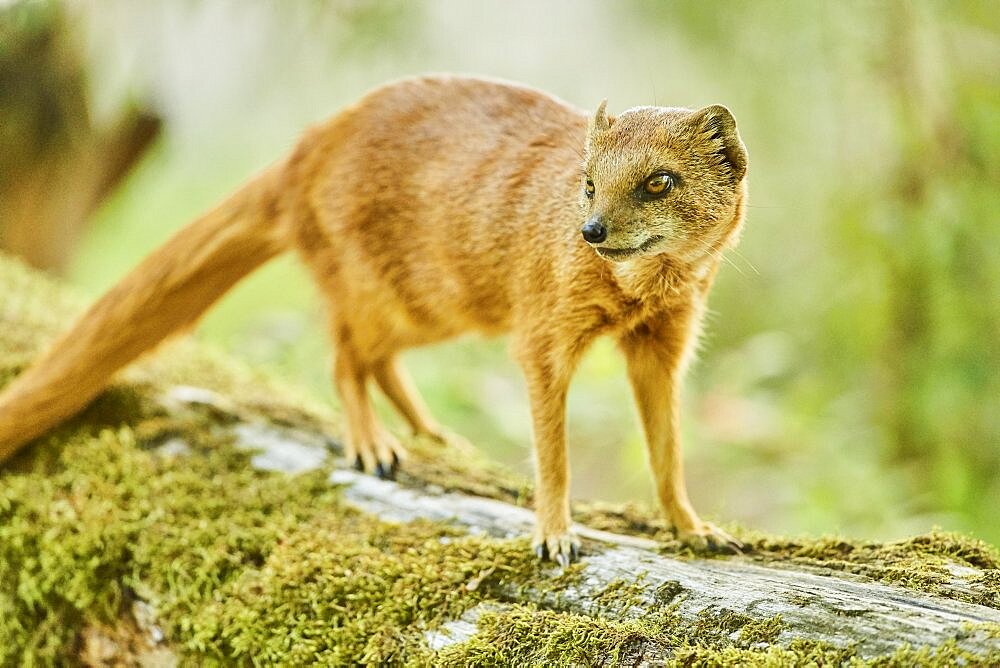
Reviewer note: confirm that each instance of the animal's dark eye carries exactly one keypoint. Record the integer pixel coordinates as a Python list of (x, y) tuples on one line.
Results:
[(589, 188), (658, 185)]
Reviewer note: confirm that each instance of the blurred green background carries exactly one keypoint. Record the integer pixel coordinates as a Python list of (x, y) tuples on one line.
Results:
[(849, 379)]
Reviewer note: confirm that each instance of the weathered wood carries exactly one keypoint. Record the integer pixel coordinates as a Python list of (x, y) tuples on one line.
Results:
[(814, 603)]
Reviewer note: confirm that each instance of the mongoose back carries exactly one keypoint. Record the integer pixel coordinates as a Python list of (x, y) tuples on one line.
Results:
[(440, 205)]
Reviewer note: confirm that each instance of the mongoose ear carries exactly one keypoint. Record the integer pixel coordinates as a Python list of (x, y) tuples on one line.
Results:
[(600, 121), (717, 128)]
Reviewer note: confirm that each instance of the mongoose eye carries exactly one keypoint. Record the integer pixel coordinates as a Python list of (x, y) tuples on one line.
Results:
[(589, 188), (659, 184)]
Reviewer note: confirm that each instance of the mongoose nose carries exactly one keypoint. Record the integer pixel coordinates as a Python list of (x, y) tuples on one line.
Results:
[(594, 231)]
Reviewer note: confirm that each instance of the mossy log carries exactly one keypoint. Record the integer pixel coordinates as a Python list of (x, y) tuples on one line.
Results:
[(632, 577), (198, 513)]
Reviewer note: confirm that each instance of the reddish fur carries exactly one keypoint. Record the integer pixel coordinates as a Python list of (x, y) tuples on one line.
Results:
[(442, 205)]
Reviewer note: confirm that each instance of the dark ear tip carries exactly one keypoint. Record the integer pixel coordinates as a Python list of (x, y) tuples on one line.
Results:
[(716, 122), (719, 112)]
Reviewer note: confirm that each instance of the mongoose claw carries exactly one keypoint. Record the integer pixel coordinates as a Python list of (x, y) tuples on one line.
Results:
[(451, 439), (385, 471), (381, 457), (733, 546), (563, 549), (711, 539)]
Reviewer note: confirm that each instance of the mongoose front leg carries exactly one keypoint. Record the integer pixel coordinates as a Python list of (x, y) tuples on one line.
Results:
[(548, 383), (655, 356)]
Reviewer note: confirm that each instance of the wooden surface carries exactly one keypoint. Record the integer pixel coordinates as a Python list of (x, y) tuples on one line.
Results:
[(814, 603)]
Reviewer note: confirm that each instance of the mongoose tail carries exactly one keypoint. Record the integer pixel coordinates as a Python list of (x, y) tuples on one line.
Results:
[(165, 294)]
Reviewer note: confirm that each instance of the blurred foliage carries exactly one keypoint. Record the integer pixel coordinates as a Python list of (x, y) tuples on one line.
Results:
[(886, 232), (56, 165), (34, 77), (850, 376)]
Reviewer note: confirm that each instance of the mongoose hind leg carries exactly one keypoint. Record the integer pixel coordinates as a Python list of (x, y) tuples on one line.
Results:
[(369, 446), (391, 376)]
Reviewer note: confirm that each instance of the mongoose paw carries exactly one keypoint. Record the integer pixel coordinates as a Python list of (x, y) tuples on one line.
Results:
[(384, 472), (708, 538), (562, 548), (381, 458), (446, 437)]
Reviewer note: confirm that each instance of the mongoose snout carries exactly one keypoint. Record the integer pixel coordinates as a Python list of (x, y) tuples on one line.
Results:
[(594, 231)]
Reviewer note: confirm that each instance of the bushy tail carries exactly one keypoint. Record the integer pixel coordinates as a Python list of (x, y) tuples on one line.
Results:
[(163, 295)]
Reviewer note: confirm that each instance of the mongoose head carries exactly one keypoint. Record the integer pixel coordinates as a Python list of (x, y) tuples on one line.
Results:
[(662, 180)]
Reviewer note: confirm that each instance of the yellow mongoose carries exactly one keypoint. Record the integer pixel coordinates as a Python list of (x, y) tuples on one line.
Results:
[(443, 204)]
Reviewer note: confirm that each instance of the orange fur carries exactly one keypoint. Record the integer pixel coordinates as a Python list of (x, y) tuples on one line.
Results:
[(441, 205)]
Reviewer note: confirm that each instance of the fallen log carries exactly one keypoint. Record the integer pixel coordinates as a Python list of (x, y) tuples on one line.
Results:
[(196, 513), (873, 618)]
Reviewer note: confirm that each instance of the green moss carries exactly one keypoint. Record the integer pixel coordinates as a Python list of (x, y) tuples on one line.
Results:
[(798, 653), (667, 592), (987, 588), (435, 464), (620, 595), (111, 517), (234, 561), (569, 639), (352, 590), (947, 654), (556, 639), (722, 639), (923, 562), (240, 563), (757, 631), (526, 635)]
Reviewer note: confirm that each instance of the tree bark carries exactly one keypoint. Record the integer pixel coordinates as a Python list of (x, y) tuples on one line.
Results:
[(814, 603)]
